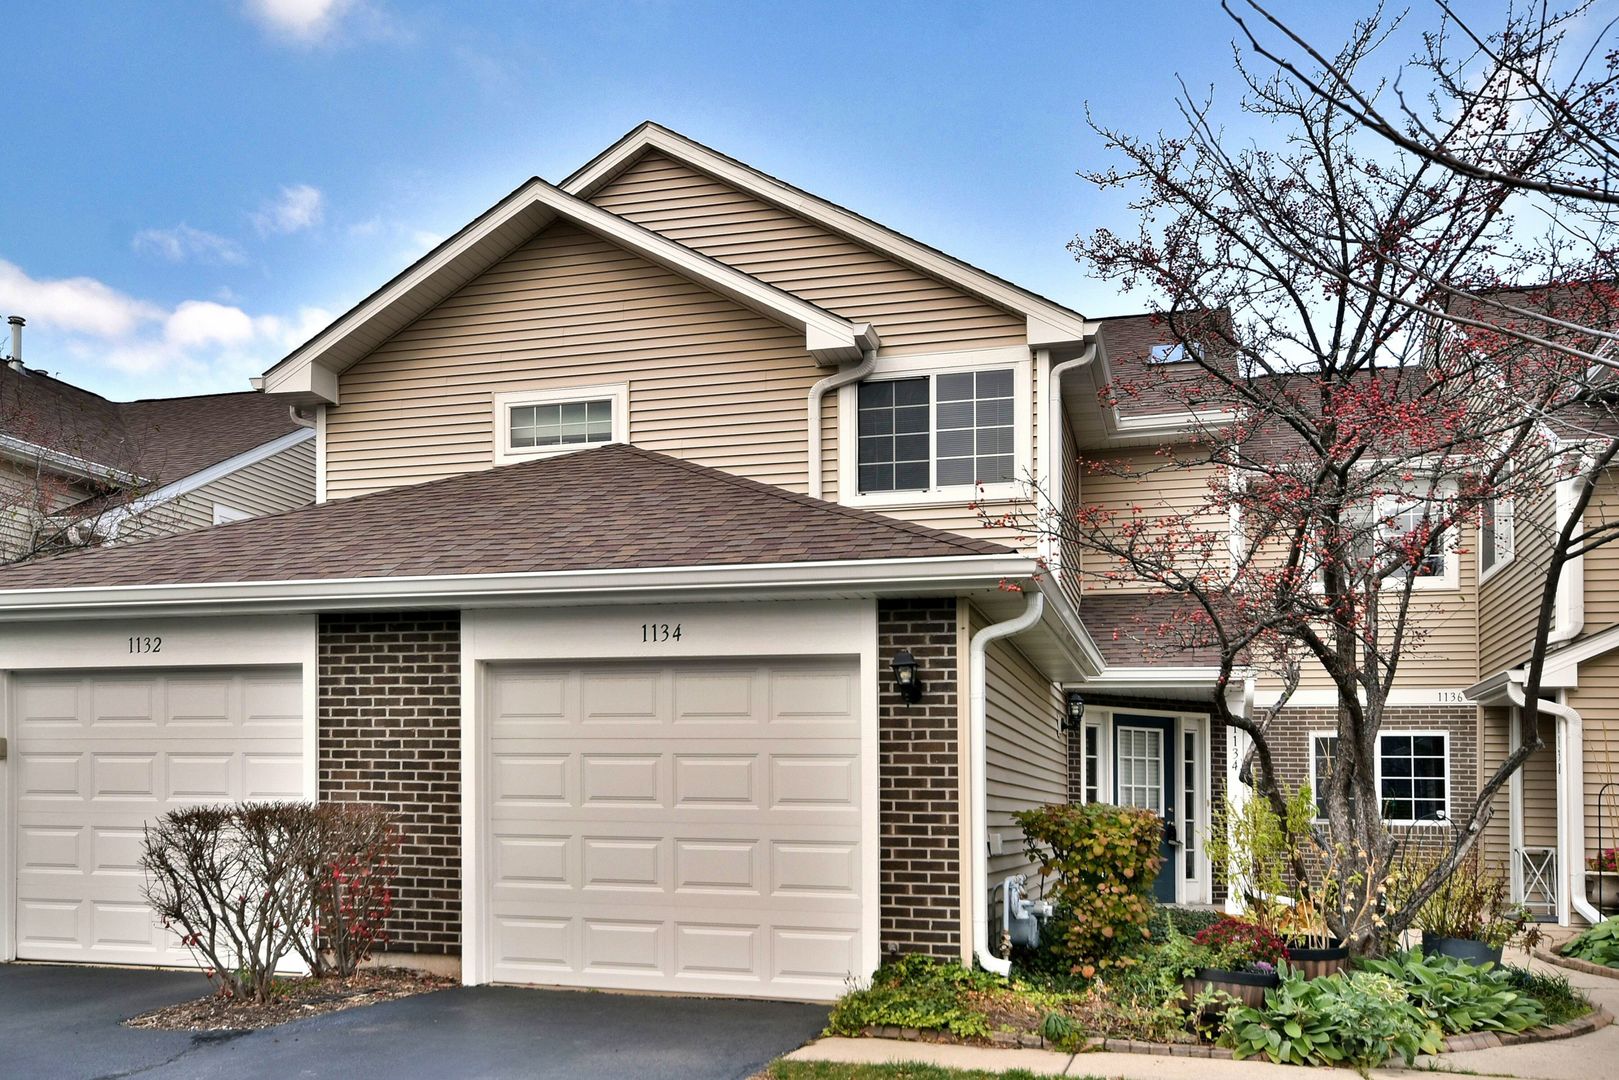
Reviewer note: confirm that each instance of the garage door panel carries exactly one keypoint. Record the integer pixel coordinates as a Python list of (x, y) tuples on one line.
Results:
[(694, 827), (99, 756)]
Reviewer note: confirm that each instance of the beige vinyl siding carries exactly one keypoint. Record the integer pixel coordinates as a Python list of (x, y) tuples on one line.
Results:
[(1070, 555), (25, 492), (709, 380), (914, 312), (1027, 756), (283, 481), (1602, 564), (1509, 599), (1597, 701), (1539, 789), (1139, 484)]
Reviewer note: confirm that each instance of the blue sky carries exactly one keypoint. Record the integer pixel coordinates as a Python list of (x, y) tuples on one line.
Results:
[(192, 187)]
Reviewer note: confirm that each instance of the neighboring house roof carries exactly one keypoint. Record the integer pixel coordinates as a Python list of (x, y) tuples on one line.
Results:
[(310, 371), (1049, 323), (154, 441), (608, 508)]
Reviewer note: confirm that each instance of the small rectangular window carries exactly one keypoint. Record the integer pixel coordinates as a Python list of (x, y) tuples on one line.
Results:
[(1413, 775), (1171, 353), (1093, 762), (1406, 520), (1495, 535), (1323, 752), (1188, 831), (563, 423)]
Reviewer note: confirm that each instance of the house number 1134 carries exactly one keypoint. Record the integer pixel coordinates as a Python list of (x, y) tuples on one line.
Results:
[(657, 632)]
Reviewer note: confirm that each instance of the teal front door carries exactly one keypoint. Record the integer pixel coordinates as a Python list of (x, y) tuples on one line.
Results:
[(1143, 771)]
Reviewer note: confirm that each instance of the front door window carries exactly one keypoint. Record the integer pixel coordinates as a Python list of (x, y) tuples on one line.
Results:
[(1141, 768), (1145, 775)]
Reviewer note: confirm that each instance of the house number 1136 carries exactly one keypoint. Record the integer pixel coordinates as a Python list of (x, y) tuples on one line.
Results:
[(657, 632)]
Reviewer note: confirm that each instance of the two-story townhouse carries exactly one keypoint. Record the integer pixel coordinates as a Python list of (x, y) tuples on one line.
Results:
[(77, 469), (647, 582)]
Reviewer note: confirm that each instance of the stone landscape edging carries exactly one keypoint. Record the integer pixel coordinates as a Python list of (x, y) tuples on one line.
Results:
[(1594, 1020), (1573, 963)]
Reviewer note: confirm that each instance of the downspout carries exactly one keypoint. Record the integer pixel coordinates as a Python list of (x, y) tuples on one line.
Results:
[(1034, 606), (1571, 799), (1051, 441), (868, 361), (1569, 613)]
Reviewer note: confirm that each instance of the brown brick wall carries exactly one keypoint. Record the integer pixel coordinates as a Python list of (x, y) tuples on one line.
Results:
[(920, 783), (390, 733)]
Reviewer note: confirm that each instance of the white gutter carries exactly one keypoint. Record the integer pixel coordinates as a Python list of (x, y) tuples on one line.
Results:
[(979, 784), (868, 361), (1570, 802), (556, 587), (1052, 465)]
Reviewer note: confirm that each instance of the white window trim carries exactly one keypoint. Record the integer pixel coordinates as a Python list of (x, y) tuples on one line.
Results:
[(1443, 821), (1315, 734), (224, 515), (1018, 358), (1500, 560), (505, 454)]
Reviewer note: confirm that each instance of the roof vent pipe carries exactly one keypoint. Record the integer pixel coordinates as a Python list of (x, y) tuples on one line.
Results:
[(16, 322)]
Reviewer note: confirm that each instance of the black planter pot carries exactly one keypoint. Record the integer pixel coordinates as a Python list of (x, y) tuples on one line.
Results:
[(1248, 987), (1316, 963), (1468, 949)]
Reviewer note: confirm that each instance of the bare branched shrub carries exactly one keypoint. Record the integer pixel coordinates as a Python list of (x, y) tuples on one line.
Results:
[(353, 887), (233, 882)]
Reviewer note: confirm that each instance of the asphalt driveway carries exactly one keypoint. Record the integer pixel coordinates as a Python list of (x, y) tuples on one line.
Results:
[(65, 1022)]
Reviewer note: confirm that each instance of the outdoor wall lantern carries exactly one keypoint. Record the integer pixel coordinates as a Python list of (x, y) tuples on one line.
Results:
[(906, 683), (1076, 711)]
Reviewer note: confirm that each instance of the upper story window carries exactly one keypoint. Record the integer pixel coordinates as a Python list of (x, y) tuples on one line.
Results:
[(1495, 536), (539, 423), (1408, 519), (1170, 353), (944, 430)]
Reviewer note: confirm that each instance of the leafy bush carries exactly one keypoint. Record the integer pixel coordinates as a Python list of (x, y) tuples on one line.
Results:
[(1357, 1019), (1560, 1001), (233, 881), (1186, 920), (352, 865), (1254, 848), (916, 992), (1462, 997), (1237, 943), (1104, 858), (1598, 945)]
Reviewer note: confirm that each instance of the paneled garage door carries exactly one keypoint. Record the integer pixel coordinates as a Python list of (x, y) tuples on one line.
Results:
[(691, 828), (99, 754)]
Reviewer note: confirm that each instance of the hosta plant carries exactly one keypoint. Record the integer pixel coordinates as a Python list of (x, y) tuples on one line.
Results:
[(1356, 1019), (1462, 997), (1598, 945)]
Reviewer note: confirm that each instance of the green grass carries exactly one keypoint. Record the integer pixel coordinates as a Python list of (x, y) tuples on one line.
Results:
[(1561, 1001), (828, 1070)]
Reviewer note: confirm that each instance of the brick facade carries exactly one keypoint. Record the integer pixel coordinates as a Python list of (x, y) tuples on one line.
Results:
[(920, 783), (390, 733)]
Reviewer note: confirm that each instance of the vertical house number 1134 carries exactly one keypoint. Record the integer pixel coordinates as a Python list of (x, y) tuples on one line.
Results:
[(657, 632)]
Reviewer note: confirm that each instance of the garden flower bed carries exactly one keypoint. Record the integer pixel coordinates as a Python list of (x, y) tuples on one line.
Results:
[(291, 999)]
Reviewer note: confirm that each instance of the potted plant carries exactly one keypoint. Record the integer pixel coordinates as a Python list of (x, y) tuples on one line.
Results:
[(1236, 958), (1602, 880), (1312, 951), (1469, 916)]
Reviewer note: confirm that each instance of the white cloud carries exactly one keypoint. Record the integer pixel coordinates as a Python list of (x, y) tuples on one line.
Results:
[(95, 335), (298, 207), (183, 243), (301, 20)]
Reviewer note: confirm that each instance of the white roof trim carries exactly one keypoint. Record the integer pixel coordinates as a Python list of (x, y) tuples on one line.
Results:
[(310, 372), (116, 517), (60, 460), (1049, 323), (736, 582)]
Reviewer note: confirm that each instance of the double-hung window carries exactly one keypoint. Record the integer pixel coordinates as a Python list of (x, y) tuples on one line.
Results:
[(540, 423), (936, 432), (1413, 774), (1406, 520)]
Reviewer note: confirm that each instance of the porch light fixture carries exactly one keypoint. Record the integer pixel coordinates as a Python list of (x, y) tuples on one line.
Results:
[(906, 683), (1075, 712)]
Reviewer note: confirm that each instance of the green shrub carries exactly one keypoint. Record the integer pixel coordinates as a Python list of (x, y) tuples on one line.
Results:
[(1560, 1001), (1598, 945), (1187, 920), (916, 992), (1104, 859), (1462, 997), (1356, 1019)]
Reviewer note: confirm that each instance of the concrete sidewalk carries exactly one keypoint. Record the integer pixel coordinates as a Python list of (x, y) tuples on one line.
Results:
[(1588, 1057)]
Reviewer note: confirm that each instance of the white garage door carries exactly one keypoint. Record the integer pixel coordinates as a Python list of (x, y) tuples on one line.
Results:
[(97, 755), (691, 828)]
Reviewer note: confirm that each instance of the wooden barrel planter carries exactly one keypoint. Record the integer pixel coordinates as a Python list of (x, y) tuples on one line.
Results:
[(1318, 962), (1460, 948), (1248, 987)]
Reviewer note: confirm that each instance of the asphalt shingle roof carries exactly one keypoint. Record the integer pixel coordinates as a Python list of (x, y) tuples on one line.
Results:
[(612, 507)]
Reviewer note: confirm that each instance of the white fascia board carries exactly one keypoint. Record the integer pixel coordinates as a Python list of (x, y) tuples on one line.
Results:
[(1163, 678), (565, 587), (1050, 321), (310, 372), (29, 453), (218, 471), (1089, 656)]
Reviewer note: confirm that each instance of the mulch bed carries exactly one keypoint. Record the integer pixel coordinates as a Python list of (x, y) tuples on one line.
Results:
[(295, 999)]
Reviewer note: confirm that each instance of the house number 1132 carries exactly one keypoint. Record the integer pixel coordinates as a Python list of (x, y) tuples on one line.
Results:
[(145, 644), (657, 632)]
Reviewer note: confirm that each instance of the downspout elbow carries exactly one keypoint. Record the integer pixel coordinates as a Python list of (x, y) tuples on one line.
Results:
[(1034, 607), (1571, 845), (868, 362)]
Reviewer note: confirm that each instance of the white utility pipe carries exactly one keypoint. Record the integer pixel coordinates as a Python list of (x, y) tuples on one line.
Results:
[(1053, 466), (978, 904), (1571, 801), (868, 361)]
